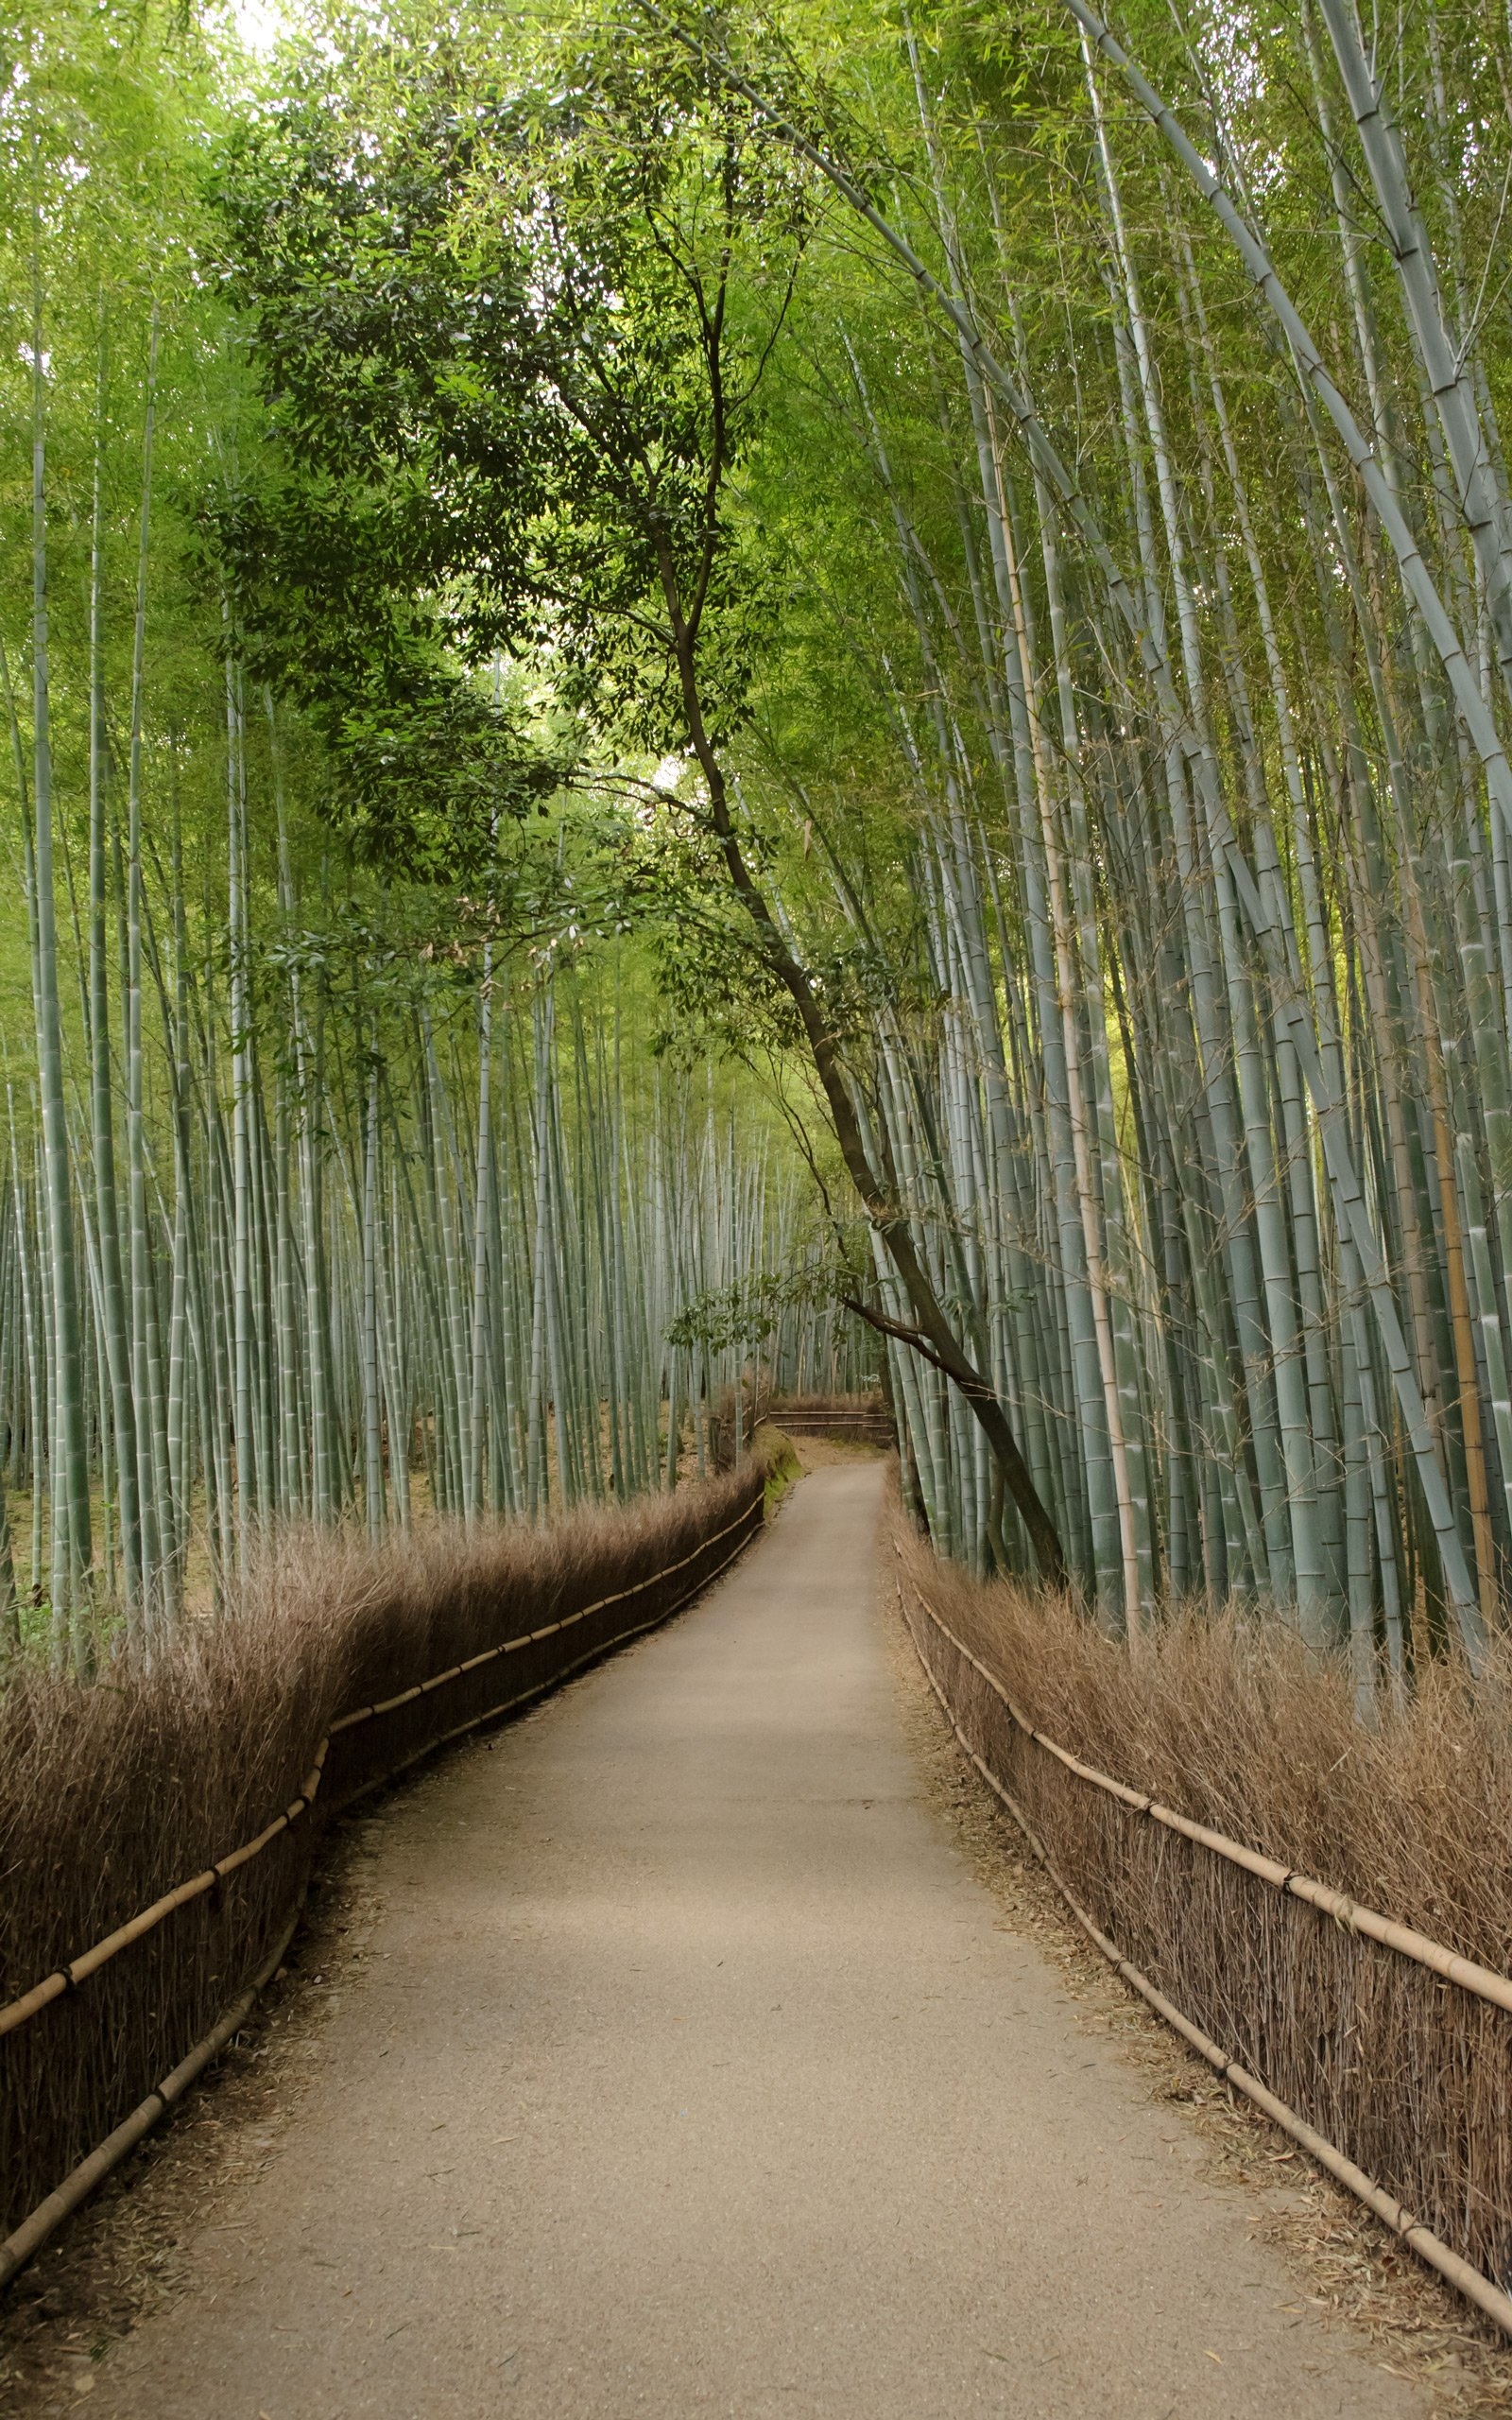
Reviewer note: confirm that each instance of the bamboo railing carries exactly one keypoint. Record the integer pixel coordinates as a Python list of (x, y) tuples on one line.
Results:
[(367, 1747), (1384, 2055), (857, 1422)]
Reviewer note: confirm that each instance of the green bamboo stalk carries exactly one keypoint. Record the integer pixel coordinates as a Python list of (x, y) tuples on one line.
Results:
[(71, 1548), (113, 1301)]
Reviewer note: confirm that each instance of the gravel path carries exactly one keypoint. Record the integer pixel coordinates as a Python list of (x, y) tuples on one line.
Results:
[(693, 2073)]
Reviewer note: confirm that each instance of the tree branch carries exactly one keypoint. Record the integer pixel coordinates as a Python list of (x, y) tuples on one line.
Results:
[(884, 1327)]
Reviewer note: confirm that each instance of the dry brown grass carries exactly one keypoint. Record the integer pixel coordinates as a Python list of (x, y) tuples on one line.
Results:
[(112, 1795), (1234, 1723)]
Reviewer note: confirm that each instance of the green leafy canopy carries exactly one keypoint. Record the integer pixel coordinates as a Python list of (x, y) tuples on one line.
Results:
[(510, 313)]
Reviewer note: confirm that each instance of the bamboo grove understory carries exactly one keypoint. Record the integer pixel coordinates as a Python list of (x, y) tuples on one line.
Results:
[(1115, 753), (377, 1280)]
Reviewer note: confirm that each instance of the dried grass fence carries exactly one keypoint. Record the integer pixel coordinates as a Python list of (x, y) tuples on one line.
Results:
[(1385, 2052), (222, 1760)]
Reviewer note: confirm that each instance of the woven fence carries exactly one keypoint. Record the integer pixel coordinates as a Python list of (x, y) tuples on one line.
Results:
[(1391, 2050), (85, 2047)]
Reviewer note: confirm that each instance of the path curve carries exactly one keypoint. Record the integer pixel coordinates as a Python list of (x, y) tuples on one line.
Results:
[(693, 2073)]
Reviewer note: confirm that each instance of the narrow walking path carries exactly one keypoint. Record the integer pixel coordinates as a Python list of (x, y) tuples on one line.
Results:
[(695, 2073)]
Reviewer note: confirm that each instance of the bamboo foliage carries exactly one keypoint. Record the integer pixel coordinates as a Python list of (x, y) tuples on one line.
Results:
[(1147, 689), (1217, 885), (454, 1299), (327, 1195)]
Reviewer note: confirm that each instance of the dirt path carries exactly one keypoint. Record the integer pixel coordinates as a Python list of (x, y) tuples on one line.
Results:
[(693, 2072)]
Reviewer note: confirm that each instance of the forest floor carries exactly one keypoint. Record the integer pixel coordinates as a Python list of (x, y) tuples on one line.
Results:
[(695, 2047)]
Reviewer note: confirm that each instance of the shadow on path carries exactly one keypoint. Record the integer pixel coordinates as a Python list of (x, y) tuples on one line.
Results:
[(693, 2072)]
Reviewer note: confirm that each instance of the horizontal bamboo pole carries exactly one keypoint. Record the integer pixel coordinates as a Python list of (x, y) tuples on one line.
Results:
[(17, 2012), (20, 2246), (1482, 1981), (511, 1646), (1420, 2238), (28, 2240), (527, 1697), (67, 1979)]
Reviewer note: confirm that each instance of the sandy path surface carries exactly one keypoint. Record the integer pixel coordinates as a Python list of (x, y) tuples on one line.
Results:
[(693, 2072)]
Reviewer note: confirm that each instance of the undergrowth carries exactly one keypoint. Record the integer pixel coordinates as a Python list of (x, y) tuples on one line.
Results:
[(1232, 1720), (114, 1791)]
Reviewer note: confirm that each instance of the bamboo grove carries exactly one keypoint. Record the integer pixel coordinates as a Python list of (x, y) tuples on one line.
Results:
[(1115, 737), (325, 1196), (1192, 713), (1199, 718), (436, 1277)]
